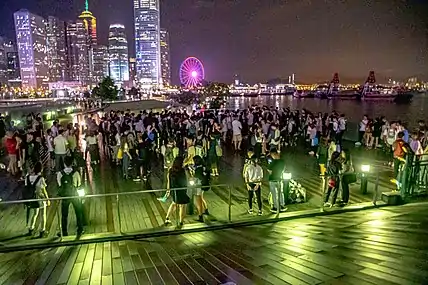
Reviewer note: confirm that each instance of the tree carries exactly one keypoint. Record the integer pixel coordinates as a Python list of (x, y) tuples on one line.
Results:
[(106, 89), (217, 89)]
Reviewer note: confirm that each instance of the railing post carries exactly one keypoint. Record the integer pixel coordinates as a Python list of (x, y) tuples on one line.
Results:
[(324, 187), (118, 213), (278, 196), (376, 189), (58, 214), (230, 203)]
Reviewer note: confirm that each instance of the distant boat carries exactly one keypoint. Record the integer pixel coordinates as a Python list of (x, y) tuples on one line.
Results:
[(335, 91), (300, 94), (373, 92)]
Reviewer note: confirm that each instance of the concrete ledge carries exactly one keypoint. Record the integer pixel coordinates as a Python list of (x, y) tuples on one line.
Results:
[(167, 231)]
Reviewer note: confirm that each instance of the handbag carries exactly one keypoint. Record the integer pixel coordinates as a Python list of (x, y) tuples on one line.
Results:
[(120, 153)]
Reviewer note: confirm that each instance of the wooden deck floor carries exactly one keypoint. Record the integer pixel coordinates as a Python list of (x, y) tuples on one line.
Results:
[(138, 212), (385, 246)]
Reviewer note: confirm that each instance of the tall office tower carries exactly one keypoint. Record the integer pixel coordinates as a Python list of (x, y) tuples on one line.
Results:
[(132, 69), (147, 47), (101, 63), (13, 72), (3, 61), (31, 41), (165, 57), (90, 24), (118, 53), (77, 52), (56, 33)]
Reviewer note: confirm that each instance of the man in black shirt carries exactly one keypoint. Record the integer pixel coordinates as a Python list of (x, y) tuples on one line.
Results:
[(276, 168)]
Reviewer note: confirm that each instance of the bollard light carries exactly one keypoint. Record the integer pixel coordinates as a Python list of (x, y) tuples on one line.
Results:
[(365, 168), (286, 175), (81, 192)]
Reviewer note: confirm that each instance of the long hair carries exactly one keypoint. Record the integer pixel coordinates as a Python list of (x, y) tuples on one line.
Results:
[(177, 165)]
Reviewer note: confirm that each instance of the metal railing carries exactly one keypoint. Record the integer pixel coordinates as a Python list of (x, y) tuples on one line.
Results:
[(133, 212)]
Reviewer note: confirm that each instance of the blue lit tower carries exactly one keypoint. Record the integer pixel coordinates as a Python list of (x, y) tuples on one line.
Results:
[(31, 41), (147, 42), (118, 54)]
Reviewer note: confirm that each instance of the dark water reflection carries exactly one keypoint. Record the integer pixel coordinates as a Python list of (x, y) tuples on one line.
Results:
[(354, 110)]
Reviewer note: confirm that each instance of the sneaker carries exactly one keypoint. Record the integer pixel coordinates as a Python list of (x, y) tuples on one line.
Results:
[(283, 209), (43, 234), (167, 222), (30, 233), (200, 219), (260, 213), (273, 210), (250, 211), (137, 179), (163, 199), (327, 204), (206, 212)]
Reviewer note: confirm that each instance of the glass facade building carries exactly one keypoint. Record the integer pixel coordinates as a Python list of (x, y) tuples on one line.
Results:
[(77, 52), (118, 54), (32, 49), (147, 41), (165, 57), (101, 63), (56, 33)]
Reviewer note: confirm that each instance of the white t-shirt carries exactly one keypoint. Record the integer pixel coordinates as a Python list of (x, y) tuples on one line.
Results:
[(60, 144), (49, 141), (236, 127)]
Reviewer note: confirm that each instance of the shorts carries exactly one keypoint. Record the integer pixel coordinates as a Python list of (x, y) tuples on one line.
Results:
[(237, 138)]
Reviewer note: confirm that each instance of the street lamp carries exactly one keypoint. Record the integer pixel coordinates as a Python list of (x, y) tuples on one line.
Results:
[(365, 169)]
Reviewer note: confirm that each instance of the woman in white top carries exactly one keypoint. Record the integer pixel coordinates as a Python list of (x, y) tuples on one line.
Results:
[(34, 209)]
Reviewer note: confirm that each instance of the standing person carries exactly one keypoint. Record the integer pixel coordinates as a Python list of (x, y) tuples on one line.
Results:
[(177, 183), (50, 143), (35, 188), (333, 173), (214, 150), (202, 177), (348, 174), (400, 149), (22, 155), (69, 181), (60, 148), (72, 143), (92, 142), (124, 155), (237, 134), (276, 168), (169, 153), (253, 176), (11, 147), (322, 156), (362, 129)]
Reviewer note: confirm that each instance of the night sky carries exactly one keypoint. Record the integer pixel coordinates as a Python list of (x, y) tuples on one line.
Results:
[(265, 39)]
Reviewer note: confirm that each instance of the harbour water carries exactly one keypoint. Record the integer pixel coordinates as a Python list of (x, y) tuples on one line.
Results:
[(354, 110)]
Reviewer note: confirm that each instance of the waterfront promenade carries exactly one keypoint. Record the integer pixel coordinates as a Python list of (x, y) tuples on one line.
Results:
[(140, 211), (378, 246)]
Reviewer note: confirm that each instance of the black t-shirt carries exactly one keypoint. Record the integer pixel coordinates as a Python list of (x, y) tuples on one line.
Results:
[(276, 166)]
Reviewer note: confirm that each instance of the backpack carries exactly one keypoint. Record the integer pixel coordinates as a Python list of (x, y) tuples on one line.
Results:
[(67, 188), (30, 192), (192, 129), (199, 151), (169, 156), (204, 176)]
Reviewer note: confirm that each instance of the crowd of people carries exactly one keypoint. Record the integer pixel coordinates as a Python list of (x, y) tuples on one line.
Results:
[(190, 145)]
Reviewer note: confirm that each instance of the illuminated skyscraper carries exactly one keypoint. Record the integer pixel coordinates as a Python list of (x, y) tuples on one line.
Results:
[(77, 52), (90, 24), (32, 51), (3, 61), (165, 57), (56, 46), (118, 54), (147, 46), (101, 63)]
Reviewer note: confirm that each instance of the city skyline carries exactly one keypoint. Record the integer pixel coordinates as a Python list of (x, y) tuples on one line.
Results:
[(260, 41)]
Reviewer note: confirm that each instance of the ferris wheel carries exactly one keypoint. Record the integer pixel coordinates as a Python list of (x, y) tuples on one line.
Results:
[(191, 72)]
